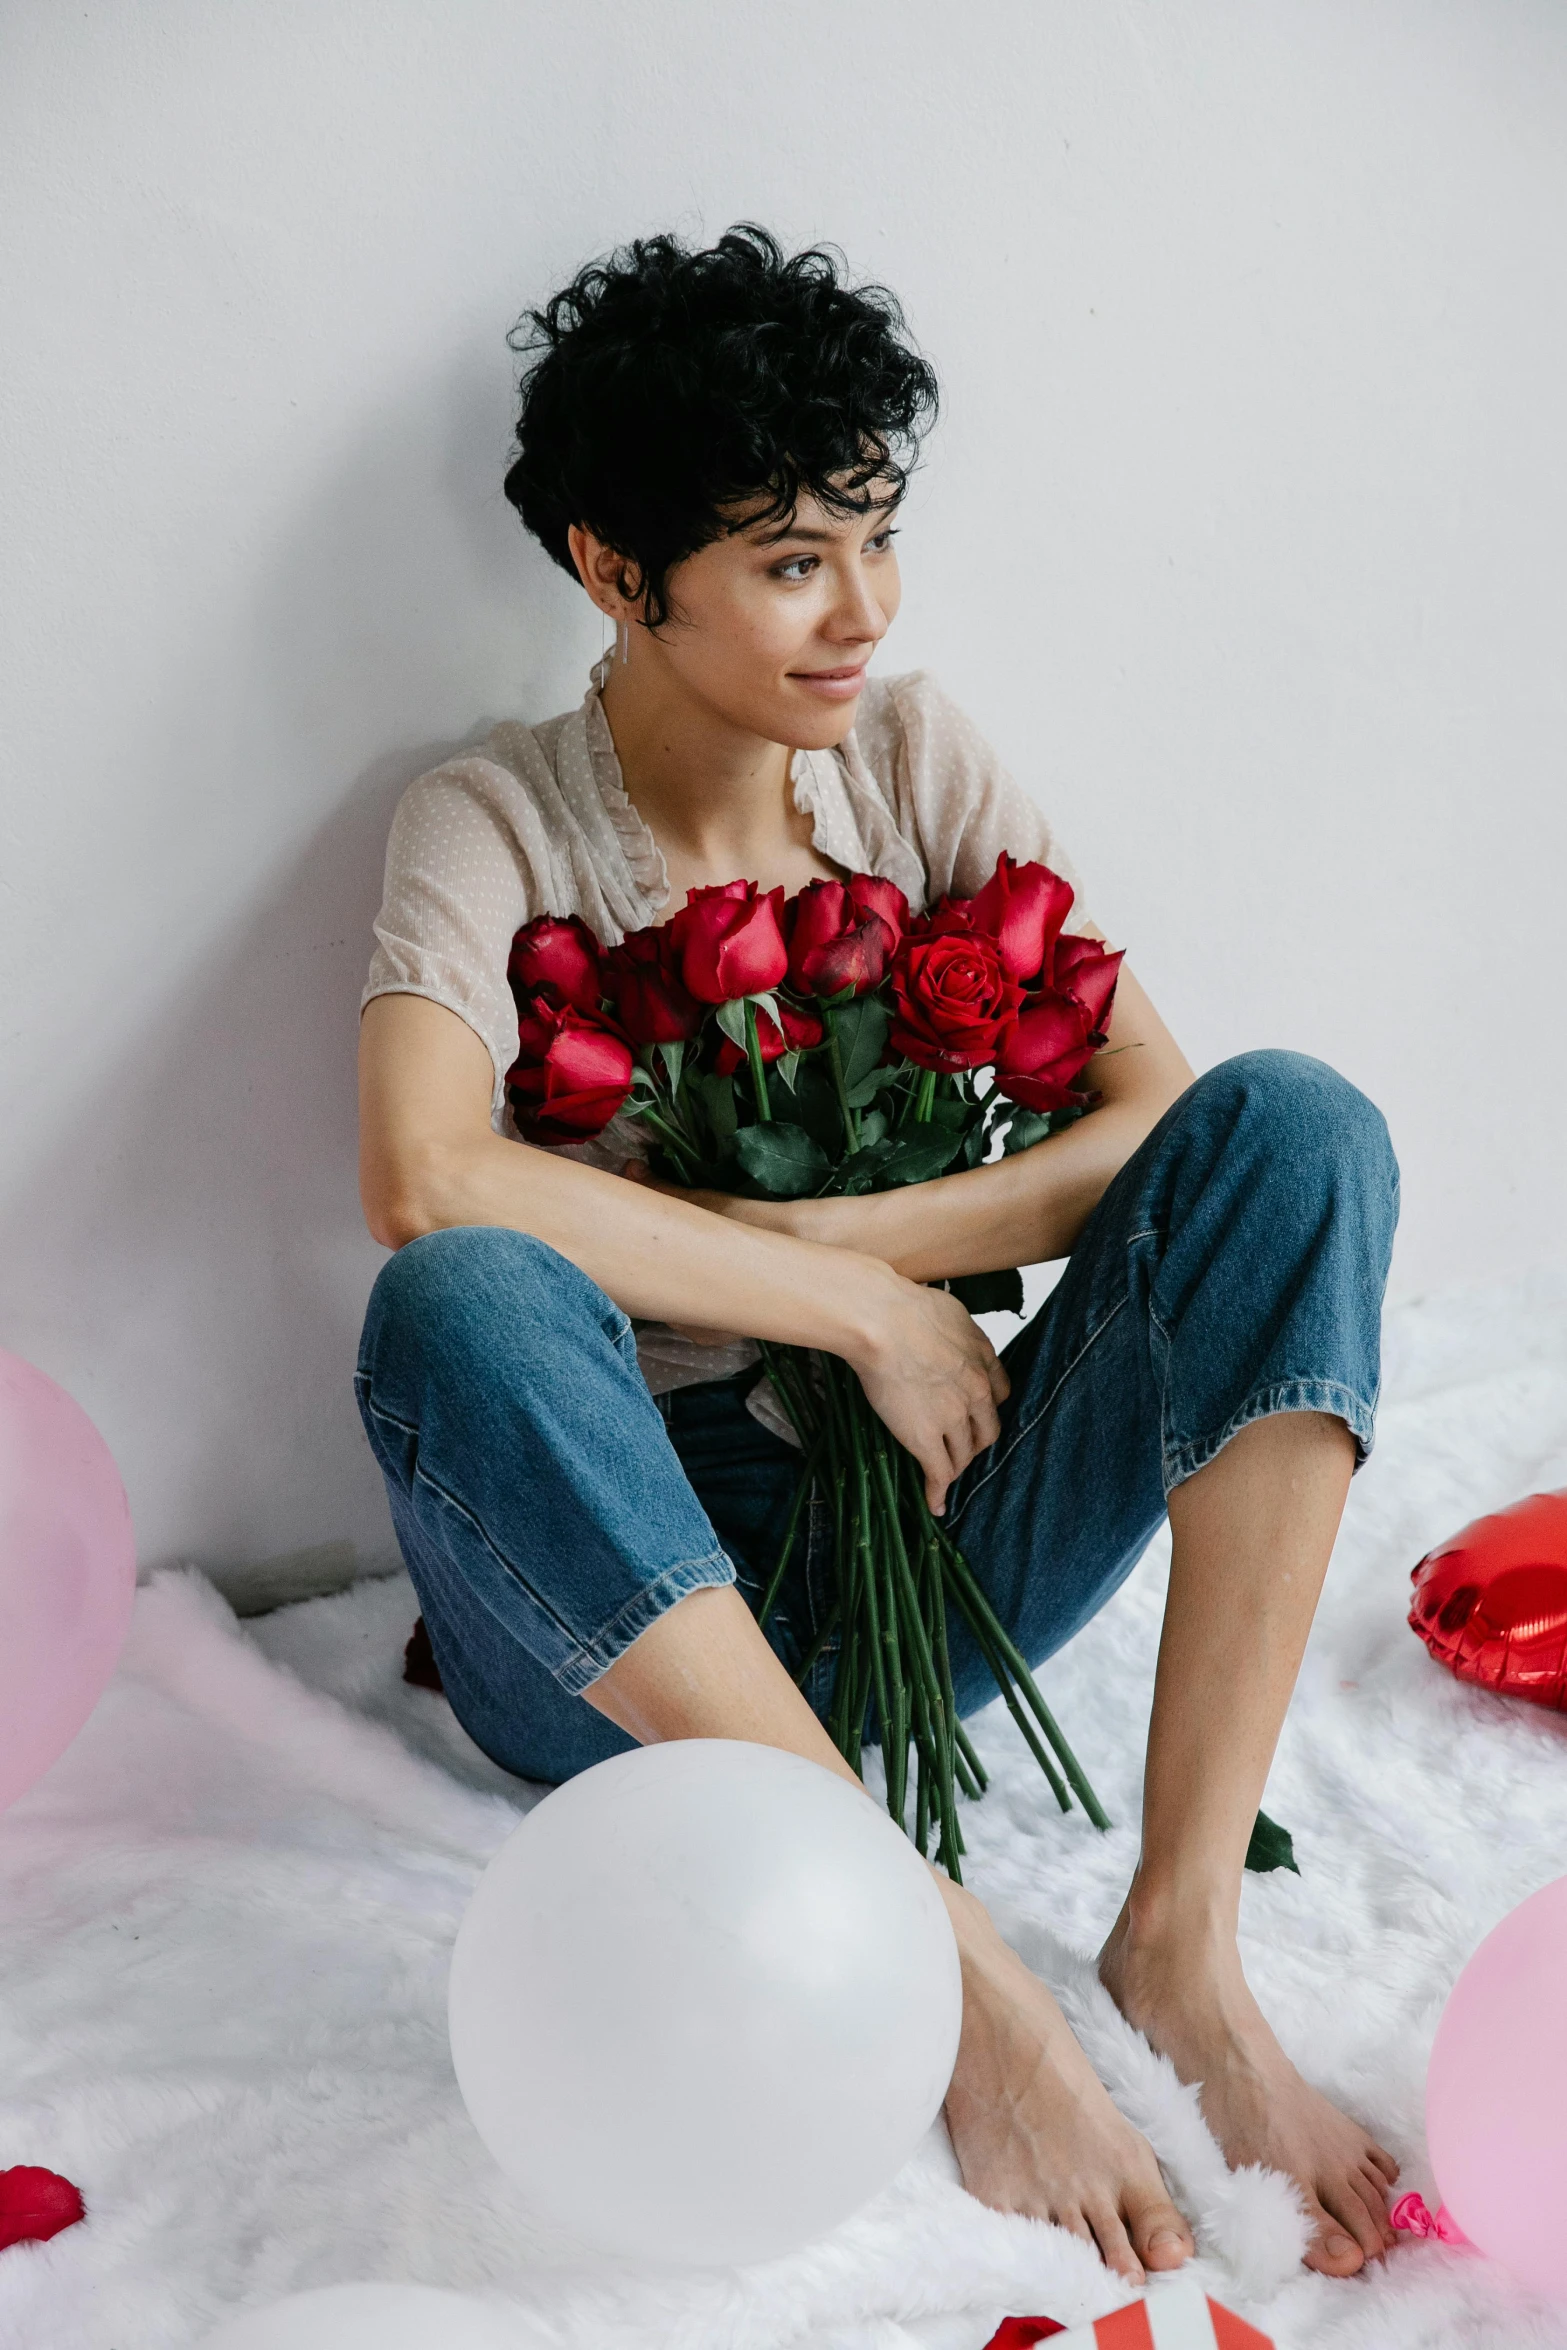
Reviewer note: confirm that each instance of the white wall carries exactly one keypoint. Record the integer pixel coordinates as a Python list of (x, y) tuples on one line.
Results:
[(1243, 536)]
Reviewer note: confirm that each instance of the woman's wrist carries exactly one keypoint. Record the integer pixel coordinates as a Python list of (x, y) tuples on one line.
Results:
[(856, 1298)]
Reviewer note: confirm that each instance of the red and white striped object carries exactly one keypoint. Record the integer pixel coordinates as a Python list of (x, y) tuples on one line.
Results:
[(1174, 2317)]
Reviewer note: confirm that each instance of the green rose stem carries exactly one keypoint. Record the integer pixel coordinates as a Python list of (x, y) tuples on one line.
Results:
[(677, 1144), (898, 1573), (753, 1046), (925, 1096), (851, 1123)]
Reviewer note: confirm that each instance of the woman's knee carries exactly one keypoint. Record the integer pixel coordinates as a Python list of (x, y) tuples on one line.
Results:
[(479, 1290), (1304, 1118)]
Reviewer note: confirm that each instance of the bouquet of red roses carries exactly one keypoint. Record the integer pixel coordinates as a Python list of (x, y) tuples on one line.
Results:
[(829, 1046)]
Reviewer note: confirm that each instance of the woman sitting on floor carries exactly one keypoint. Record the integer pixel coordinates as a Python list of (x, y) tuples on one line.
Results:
[(715, 444)]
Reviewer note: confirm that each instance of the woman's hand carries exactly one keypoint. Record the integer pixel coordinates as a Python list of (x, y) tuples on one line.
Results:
[(928, 1369), (934, 1378)]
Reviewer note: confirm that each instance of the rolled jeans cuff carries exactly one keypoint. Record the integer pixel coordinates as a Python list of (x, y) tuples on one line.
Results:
[(594, 1657), (1182, 1460)]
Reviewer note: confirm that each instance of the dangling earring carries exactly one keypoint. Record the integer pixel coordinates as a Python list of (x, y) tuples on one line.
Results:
[(623, 638)]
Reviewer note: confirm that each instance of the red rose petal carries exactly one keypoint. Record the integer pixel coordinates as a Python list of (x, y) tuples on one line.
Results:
[(36, 2204), (1019, 2333)]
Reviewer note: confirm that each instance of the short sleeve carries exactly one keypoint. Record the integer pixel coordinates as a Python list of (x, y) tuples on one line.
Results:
[(953, 791), (459, 885)]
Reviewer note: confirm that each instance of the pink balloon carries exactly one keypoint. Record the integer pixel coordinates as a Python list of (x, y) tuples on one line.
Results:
[(1496, 2094), (67, 1572)]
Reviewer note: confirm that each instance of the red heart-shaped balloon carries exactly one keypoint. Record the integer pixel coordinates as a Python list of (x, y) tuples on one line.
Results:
[(1492, 1603)]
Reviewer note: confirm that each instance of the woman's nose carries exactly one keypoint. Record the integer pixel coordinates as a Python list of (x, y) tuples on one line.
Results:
[(856, 616)]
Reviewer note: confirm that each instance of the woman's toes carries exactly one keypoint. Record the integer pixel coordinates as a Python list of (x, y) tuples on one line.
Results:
[(1383, 2161), (1115, 2245), (1372, 2188), (1352, 2214), (1160, 2237), (1332, 2251)]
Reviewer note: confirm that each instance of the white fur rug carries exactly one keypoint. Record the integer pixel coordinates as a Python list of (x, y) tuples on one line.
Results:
[(227, 1913)]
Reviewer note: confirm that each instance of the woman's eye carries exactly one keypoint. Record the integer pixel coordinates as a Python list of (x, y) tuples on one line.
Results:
[(881, 542), (799, 567)]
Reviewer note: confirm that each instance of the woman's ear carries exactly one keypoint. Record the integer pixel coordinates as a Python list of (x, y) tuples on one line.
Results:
[(610, 580)]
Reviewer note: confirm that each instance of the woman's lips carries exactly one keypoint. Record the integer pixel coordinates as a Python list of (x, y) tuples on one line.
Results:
[(834, 685)]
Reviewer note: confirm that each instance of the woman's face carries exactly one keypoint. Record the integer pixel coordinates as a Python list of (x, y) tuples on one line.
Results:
[(772, 628)]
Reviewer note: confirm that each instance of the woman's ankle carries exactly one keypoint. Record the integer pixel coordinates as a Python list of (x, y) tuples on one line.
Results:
[(1187, 1913)]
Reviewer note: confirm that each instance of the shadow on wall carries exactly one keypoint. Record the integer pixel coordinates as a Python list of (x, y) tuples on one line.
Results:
[(190, 1258)]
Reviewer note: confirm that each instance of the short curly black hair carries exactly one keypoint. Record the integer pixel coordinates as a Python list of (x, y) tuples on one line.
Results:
[(670, 396)]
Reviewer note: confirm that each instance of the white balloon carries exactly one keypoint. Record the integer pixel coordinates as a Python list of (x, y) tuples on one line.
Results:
[(373, 2317), (705, 2002)]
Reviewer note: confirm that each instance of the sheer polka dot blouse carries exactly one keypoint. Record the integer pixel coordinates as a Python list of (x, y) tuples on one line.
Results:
[(537, 821)]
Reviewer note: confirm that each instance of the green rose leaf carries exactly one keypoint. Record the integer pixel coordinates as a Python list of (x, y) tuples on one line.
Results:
[(731, 1019), (862, 1040), (781, 1160), (1271, 1847), (917, 1154), (1027, 1128)]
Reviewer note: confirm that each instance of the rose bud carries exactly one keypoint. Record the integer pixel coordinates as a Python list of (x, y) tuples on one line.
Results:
[(570, 1076), (884, 898), (729, 942), (833, 943), (1046, 1047), (1085, 970), (946, 916), (802, 1032), (1023, 908), (560, 954), (951, 998), (646, 992)]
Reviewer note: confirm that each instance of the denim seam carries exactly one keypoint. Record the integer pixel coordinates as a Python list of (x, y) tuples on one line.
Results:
[(379, 1409), (644, 1607), (1026, 1427), (1180, 1461), (422, 1477)]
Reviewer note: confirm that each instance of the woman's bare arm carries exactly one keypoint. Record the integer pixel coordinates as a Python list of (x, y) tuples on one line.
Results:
[(429, 1160)]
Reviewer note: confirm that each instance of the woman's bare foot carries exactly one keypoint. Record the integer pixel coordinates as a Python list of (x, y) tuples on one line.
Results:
[(1033, 2127), (1185, 1992)]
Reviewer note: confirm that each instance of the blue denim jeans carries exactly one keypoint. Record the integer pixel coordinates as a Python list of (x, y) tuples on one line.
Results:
[(549, 1509)]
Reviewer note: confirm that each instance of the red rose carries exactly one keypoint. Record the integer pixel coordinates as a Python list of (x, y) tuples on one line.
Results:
[(570, 1076), (951, 998), (646, 992), (1085, 970), (883, 898), (1023, 908), (1044, 1049), (563, 955), (802, 1032), (945, 917), (729, 942), (834, 943), (1059, 1030)]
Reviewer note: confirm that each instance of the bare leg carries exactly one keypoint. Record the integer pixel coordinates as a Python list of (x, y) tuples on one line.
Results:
[(1252, 1535), (1032, 2126)]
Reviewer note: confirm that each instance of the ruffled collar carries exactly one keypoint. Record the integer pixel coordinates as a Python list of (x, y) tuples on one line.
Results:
[(851, 825)]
